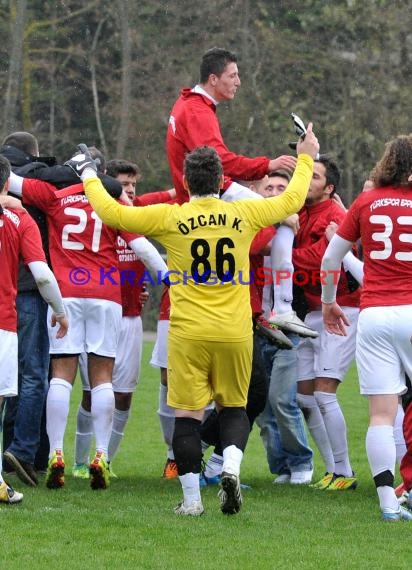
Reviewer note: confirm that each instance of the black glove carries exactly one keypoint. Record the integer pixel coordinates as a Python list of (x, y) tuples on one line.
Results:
[(79, 162)]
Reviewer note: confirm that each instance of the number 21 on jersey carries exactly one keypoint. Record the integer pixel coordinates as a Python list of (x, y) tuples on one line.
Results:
[(79, 228)]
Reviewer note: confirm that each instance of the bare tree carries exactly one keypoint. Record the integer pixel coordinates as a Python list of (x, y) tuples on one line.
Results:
[(94, 86), (17, 25), (125, 99)]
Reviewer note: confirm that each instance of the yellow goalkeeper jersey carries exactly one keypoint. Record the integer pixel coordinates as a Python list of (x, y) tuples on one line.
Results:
[(207, 242)]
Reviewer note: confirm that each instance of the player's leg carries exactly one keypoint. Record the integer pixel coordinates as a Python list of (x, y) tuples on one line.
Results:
[(64, 361), (283, 316), (307, 352), (102, 322), (8, 388), (125, 378), (189, 392), (84, 425), (288, 417), (382, 379), (230, 376), (64, 369), (165, 413), (331, 365)]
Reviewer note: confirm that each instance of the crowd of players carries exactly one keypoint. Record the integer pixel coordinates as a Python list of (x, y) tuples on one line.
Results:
[(217, 378)]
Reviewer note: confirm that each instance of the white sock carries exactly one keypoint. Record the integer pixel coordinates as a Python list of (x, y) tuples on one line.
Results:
[(190, 487), (214, 466), (232, 458), (57, 411), (398, 434), (120, 418), (317, 429), (102, 415), (381, 452), (336, 429), (167, 419), (84, 435), (282, 269)]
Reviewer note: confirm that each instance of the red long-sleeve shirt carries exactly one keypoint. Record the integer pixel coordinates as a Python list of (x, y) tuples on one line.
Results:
[(311, 244), (192, 123)]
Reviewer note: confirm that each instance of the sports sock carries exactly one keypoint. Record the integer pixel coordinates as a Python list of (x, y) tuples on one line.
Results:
[(398, 434), (186, 445), (317, 429), (381, 452), (282, 268), (120, 418), (336, 429), (234, 427), (166, 417), (234, 432), (214, 466), (102, 415), (57, 411), (84, 435), (190, 487), (232, 458)]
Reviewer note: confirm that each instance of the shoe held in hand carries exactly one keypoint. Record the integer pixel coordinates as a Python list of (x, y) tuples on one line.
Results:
[(79, 162)]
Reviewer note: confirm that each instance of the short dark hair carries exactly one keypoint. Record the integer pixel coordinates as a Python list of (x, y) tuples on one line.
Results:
[(118, 166), (332, 172), (4, 171), (283, 173), (23, 141), (215, 61), (203, 170), (395, 166), (99, 158)]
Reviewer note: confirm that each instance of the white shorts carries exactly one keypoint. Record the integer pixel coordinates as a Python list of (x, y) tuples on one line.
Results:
[(8, 363), (159, 354), (94, 326), (329, 355), (126, 370), (384, 349)]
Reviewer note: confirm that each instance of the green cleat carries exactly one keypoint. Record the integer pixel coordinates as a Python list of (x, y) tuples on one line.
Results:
[(323, 483), (81, 471), (341, 483)]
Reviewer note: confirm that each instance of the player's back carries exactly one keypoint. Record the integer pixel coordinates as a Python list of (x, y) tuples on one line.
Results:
[(382, 217), (82, 248), (19, 237)]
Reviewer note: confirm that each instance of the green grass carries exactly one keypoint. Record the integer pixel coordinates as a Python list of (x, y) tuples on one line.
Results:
[(132, 525)]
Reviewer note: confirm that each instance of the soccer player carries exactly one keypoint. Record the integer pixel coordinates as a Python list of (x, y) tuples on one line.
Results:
[(210, 338), (381, 218), (84, 259), (19, 235), (193, 122), (129, 350), (324, 361)]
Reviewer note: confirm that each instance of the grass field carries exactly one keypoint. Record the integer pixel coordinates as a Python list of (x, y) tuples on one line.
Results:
[(132, 525)]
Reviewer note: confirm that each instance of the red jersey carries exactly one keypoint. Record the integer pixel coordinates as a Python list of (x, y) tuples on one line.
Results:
[(382, 218), (131, 273), (164, 308), (159, 197), (311, 244), (82, 249), (19, 236), (192, 123)]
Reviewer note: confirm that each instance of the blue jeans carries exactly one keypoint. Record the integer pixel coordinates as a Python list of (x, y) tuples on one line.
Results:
[(281, 423), (26, 409)]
